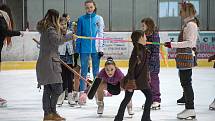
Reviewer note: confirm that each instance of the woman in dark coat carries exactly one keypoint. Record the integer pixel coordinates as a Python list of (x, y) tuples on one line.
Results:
[(6, 31), (137, 76)]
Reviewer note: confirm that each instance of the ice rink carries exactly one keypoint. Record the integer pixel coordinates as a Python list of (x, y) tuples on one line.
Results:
[(19, 87)]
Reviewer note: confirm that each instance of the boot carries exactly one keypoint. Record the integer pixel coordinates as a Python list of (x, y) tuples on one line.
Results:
[(49, 117), (181, 101), (187, 114), (57, 117), (3, 102), (82, 98), (155, 106), (212, 105), (100, 107), (71, 99), (61, 99), (129, 108)]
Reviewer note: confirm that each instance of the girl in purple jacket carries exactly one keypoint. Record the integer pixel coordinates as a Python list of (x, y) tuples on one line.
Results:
[(111, 77)]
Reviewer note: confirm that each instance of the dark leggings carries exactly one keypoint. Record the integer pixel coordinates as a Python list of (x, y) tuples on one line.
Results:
[(67, 77), (186, 83), (127, 98), (1, 46), (50, 96)]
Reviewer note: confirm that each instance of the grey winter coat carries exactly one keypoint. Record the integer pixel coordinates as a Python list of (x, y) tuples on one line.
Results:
[(48, 67)]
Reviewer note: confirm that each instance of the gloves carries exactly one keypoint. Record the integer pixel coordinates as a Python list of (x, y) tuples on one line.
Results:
[(100, 54), (168, 44), (211, 58), (76, 55)]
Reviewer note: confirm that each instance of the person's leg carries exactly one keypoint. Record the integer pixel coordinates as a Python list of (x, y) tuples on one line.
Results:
[(148, 102), (100, 97), (84, 65), (47, 100), (125, 101), (155, 88), (1, 46), (77, 78), (186, 82), (56, 90), (70, 77), (95, 64)]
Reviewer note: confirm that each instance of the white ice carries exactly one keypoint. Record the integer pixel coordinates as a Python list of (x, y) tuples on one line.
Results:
[(19, 87)]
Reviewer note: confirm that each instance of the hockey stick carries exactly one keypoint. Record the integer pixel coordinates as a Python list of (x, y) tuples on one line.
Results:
[(67, 66)]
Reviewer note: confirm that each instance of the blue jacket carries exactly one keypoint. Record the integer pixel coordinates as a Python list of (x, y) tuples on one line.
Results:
[(90, 25)]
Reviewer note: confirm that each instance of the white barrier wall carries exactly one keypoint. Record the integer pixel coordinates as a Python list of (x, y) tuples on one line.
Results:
[(25, 49)]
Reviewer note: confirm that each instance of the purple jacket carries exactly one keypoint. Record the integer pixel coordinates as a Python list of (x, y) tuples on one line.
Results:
[(154, 57), (118, 76)]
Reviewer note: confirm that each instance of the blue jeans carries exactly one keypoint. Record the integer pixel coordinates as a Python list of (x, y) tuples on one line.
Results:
[(84, 67)]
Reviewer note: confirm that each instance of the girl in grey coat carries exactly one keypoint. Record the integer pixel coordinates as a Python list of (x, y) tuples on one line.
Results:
[(48, 68)]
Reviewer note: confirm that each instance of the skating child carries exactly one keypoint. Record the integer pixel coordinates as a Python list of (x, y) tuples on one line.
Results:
[(111, 77), (212, 105), (137, 77), (48, 68), (185, 57), (148, 26), (66, 54), (90, 25)]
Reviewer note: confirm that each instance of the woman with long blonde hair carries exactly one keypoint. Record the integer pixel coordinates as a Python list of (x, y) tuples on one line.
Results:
[(185, 57)]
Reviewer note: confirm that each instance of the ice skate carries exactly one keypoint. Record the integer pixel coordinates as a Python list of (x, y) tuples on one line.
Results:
[(71, 100), (155, 106), (212, 105), (129, 109), (49, 117), (82, 98), (181, 101), (100, 107), (61, 99), (3, 102), (187, 114)]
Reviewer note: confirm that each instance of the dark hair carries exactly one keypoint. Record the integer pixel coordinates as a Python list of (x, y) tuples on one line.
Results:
[(135, 36), (110, 61), (65, 15), (91, 1), (6, 9), (150, 24)]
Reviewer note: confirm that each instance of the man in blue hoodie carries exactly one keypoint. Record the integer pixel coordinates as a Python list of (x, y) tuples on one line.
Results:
[(90, 25)]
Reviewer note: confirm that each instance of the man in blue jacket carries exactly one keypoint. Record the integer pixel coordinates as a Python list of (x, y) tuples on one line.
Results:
[(90, 25)]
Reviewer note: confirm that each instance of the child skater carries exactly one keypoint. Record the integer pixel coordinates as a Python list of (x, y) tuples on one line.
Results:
[(185, 57), (111, 77), (48, 68), (212, 105), (137, 76), (66, 54), (90, 25), (148, 26)]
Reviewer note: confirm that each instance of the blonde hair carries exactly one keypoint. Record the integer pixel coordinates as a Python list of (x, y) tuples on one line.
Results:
[(51, 19), (189, 9)]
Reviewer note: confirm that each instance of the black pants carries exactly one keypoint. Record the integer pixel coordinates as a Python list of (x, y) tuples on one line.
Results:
[(186, 83), (127, 98), (1, 46), (50, 96), (67, 77)]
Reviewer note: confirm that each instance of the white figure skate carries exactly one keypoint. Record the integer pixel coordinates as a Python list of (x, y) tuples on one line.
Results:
[(187, 114)]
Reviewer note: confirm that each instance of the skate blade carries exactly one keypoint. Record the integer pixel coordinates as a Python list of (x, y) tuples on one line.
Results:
[(180, 103), (99, 115), (155, 108), (188, 118)]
